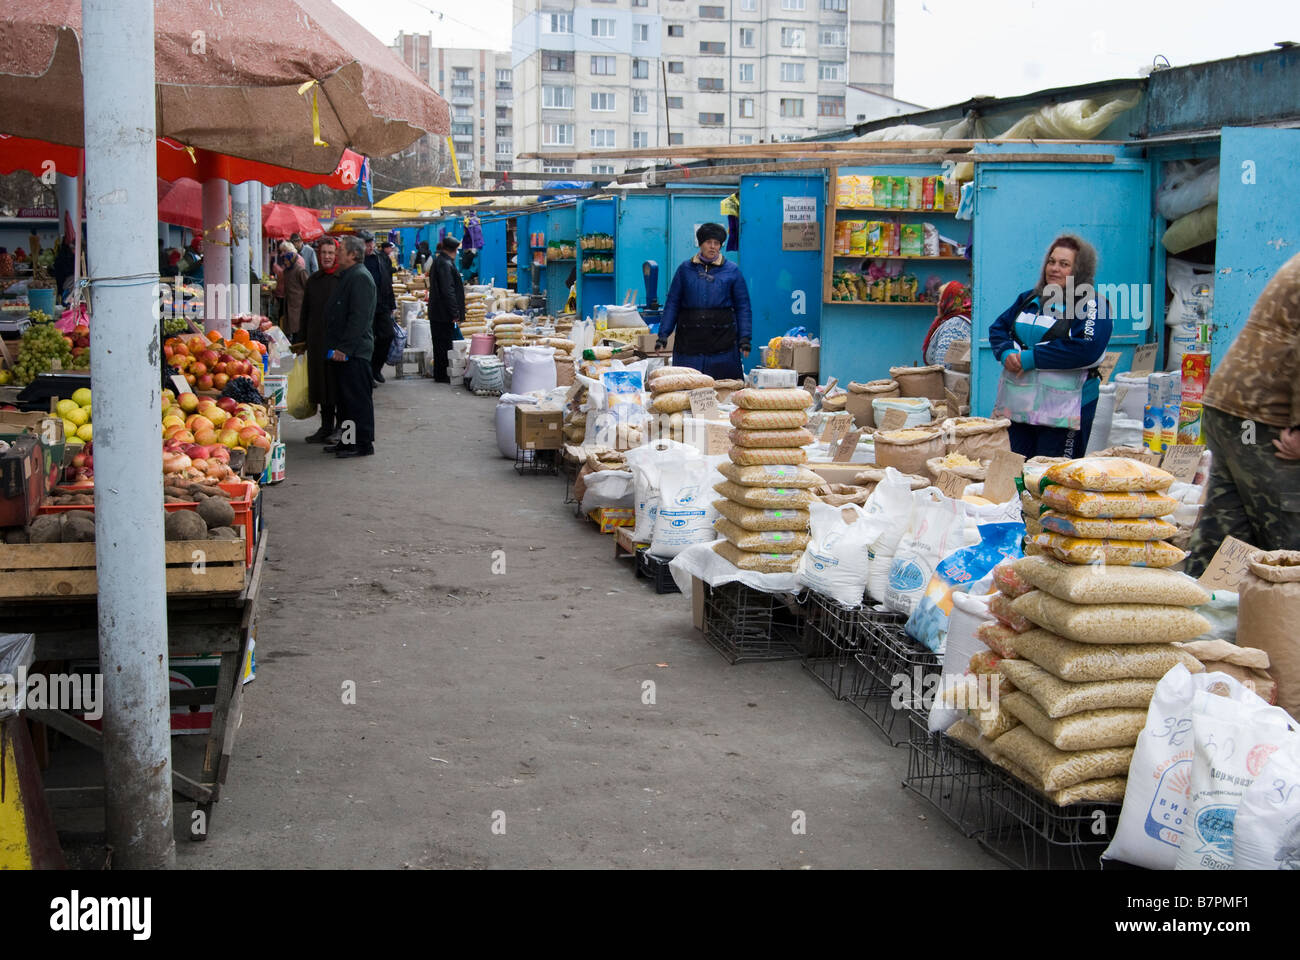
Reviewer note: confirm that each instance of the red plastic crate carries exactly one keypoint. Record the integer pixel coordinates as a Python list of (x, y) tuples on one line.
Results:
[(241, 493)]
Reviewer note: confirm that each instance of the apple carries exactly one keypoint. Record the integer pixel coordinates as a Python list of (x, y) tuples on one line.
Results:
[(79, 460), (207, 437), (262, 443), (180, 350), (220, 454), (236, 424), (198, 368), (229, 438), (218, 416), (227, 404), (205, 382), (70, 342), (209, 357), (250, 433), (199, 422), (168, 352), (220, 380), (184, 436), (197, 345)]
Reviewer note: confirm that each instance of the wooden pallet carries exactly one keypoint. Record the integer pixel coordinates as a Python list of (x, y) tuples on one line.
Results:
[(67, 570), (625, 547)]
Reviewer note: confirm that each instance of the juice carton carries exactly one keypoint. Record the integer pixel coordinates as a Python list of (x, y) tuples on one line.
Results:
[(1196, 376)]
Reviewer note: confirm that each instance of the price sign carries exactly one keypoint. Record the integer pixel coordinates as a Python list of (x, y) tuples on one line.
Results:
[(952, 484), (894, 420), (1182, 459), (1107, 367), (1228, 568), (1000, 483), (1144, 358), (181, 384), (704, 404), (844, 451)]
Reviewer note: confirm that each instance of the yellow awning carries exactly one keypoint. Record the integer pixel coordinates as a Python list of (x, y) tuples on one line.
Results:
[(423, 198)]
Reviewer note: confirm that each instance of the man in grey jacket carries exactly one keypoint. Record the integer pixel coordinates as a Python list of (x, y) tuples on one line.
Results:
[(349, 345)]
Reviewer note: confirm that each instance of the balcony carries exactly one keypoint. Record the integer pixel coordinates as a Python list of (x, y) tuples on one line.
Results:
[(463, 137), (505, 101)]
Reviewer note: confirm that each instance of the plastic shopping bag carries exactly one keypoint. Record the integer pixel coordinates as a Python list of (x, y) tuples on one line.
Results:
[(297, 398), (398, 346)]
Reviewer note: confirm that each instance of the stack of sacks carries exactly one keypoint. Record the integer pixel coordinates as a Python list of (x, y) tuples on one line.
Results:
[(670, 399), (1107, 510), (508, 328), (475, 315), (767, 494), (1085, 676)]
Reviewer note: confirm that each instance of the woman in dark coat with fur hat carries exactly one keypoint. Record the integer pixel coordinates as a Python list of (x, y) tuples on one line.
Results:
[(708, 308)]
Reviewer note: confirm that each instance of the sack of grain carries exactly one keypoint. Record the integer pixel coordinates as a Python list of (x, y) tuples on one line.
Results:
[(1263, 817), (1123, 553), (1087, 730), (1111, 623), (792, 398), (1035, 469), (1002, 607), (766, 498), (919, 381), (1084, 503), (668, 371), (1058, 769), (675, 401), (1269, 610), (762, 541), (766, 439), (993, 719), (770, 475), (918, 410), (908, 450), (756, 562), (1100, 584), (999, 638), (979, 438), (768, 419), (1085, 662), (679, 381), (1110, 475), (841, 494), (1060, 698), (756, 518), (747, 457), (1009, 581), (1247, 665), (959, 465), (861, 397), (1068, 525)]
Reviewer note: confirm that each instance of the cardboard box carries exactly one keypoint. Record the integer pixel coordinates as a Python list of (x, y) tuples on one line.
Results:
[(22, 480), (645, 342), (539, 429), (698, 590), (765, 378), (49, 428), (803, 358), (610, 519), (837, 472)]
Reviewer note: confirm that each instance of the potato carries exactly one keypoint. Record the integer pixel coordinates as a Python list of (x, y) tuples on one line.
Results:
[(217, 512), (78, 527), (46, 529), (16, 535), (185, 525), (223, 533)]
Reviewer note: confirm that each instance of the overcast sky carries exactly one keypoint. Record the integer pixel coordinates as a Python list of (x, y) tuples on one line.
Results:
[(949, 50)]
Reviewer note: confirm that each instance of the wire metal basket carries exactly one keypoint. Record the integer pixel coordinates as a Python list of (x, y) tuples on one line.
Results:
[(832, 635), (537, 462), (746, 625), (1026, 830), (947, 775)]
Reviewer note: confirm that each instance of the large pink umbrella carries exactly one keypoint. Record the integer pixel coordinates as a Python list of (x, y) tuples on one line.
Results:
[(280, 221), (228, 79)]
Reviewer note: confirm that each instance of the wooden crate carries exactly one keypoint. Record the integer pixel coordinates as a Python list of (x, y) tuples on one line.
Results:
[(67, 570)]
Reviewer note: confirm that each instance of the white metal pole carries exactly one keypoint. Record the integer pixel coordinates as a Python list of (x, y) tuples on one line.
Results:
[(266, 252), (217, 307), (121, 207), (255, 239), (240, 261)]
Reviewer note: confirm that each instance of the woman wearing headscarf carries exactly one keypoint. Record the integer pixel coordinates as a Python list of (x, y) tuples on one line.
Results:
[(291, 286), (1050, 342), (708, 308), (311, 338), (951, 323)]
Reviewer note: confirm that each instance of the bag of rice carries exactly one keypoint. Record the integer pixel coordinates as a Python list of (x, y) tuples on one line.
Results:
[(908, 450), (768, 420), (792, 398), (836, 561), (1111, 475), (1111, 623), (1088, 730), (766, 498), (1084, 662), (1266, 832), (1067, 525), (1001, 607), (1035, 469), (986, 663), (1099, 584), (1060, 698), (964, 732), (756, 562), (753, 518), (1084, 503), (667, 371), (746, 457), (1009, 582), (770, 475), (676, 401), (1031, 506), (993, 719), (977, 437), (1101, 790), (999, 638), (666, 383), (1123, 553), (765, 541), (765, 439), (1058, 769)]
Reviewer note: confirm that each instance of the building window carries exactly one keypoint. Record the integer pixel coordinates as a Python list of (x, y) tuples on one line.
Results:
[(640, 138), (827, 70), (712, 47), (792, 4), (711, 83), (603, 66), (460, 75), (557, 166), (640, 3), (557, 62), (501, 113), (837, 6), (602, 138), (607, 168), (466, 163), (674, 103), (749, 5), (640, 69), (676, 66), (641, 32), (744, 138), (830, 106), (832, 37), (712, 119), (504, 132), (792, 73), (602, 26), (505, 148), (640, 103), (505, 78), (676, 30), (791, 108), (557, 98), (746, 36), (746, 73), (561, 23), (604, 102), (792, 37), (675, 140), (560, 134), (747, 108), (504, 164), (713, 13)]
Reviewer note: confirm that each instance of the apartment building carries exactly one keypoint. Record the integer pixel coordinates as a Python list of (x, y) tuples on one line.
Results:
[(648, 73), (478, 86)]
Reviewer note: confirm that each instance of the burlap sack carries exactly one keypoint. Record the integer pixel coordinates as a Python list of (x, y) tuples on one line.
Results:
[(919, 381), (977, 437), (842, 494), (861, 395), (908, 450), (1268, 609)]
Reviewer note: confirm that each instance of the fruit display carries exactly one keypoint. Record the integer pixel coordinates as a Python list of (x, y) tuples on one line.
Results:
[(210, 363), (77, 416), (243, 390), (42, 345), (199, 434), (173, 326)]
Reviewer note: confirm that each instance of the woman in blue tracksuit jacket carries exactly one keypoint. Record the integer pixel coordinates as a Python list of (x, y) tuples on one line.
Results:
[(708, 307), (1058, 326)]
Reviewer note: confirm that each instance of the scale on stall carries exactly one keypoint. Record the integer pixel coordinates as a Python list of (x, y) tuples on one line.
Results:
[(652, 312), (537, 298)]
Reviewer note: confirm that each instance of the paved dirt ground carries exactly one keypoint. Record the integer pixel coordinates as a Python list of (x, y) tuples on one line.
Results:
[(498, 719)]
